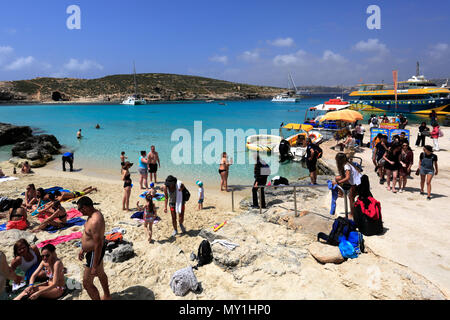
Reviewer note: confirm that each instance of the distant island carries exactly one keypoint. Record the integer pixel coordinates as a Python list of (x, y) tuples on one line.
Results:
[(151, 86)]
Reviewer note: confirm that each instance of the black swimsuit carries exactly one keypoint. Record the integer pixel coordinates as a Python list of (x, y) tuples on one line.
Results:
[(127, 181)]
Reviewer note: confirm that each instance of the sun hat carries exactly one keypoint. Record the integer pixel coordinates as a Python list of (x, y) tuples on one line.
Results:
[(199, 183)]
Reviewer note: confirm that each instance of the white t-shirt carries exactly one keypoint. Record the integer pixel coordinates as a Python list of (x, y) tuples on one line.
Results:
[(201, 193), (355, 176)]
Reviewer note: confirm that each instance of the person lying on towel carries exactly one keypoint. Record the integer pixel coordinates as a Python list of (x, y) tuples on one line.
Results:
[(57, 218), (64, 196)]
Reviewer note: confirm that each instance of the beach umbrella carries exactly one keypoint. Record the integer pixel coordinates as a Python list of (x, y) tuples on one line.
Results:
[(298, 126), (343, 115)]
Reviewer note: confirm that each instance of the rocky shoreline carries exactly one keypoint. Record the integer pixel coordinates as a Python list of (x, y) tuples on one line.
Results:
[(36, 149)]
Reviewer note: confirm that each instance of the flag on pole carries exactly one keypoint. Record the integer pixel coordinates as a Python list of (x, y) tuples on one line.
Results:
[(395, 76)]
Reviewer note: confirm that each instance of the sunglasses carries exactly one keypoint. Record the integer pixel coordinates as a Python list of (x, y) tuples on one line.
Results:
[(45, 256)]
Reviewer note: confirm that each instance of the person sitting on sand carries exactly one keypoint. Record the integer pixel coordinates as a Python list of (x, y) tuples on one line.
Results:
[(149, 215), (55, 287), (27, 258), (349, 178), (57, 218), (44, 202), (6, 273), (64, 196), (26, 168), (30, 196), (17, 216), (152, 189), (347, 143)]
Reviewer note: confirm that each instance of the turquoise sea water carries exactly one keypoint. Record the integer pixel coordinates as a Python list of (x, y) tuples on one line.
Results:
[(136, 128)]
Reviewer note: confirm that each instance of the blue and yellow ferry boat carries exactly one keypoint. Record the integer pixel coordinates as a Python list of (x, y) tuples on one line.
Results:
[(417, 95)]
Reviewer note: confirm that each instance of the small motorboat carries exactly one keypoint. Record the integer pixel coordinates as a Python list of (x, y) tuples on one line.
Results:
[(263, 142)]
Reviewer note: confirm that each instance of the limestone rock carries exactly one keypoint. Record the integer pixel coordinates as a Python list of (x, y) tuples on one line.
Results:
[(10, 134), (325, 253)]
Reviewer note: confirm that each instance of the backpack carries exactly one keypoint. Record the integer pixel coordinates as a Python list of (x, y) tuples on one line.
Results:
[(367, 215), (280, 180), (357, 240), (186, 194), (318, 151), (204, 254), (441, 133), (341, 227)]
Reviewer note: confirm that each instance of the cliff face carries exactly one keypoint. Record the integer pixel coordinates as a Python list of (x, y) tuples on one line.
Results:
[(117, 87)]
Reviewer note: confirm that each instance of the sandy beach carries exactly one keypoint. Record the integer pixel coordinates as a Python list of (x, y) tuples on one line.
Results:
[(410, 260)]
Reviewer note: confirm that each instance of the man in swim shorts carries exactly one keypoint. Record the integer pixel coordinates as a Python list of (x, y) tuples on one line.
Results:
[(153, 162), (67, 157), (94, 246)]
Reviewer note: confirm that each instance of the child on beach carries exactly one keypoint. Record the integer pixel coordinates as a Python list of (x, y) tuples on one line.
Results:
[(201, 194), (149, 215), (152, 189)]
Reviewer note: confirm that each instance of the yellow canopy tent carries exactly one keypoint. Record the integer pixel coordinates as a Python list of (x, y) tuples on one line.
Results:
[(343, 115), (298, 126)]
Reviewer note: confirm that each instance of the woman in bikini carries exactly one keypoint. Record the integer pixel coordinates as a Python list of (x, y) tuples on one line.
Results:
[(30, 197), (149, 215), (223, 171), (64, 196), (17, 216), (126, 178), (42, 199), (57, 218), (55, 287)]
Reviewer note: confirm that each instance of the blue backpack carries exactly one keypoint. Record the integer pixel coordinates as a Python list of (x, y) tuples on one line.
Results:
[(352, 246), (341, 227)]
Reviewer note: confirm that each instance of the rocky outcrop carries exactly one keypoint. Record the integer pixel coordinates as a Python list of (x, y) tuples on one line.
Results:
[(10, 134), (10, 237), (38, 149)]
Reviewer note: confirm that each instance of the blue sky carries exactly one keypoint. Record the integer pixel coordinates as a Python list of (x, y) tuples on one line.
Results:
[(256, 42)]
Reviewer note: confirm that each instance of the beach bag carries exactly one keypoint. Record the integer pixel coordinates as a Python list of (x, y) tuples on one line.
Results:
[(186, 194), (347, 250), (204, 254), (367, 216), (341, 227), (276, 181), (184, 280), (441, 133), (357, 241), (116, 237)]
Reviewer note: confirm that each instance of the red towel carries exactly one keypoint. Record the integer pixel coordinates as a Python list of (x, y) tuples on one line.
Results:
[(21, 225), (61, 239), (72, 213)]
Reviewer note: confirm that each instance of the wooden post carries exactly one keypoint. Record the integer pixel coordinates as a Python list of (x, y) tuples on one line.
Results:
[(295, 201), (232, 199)]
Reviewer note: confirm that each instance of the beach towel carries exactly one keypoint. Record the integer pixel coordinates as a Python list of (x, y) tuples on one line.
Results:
[(3, 227), (157, 197), (179, 203), (334, 196), (227, 244), (70, 223), (20, 225), (51, 190), (72, 213), (137, 215), (6, 178), (61, 239)]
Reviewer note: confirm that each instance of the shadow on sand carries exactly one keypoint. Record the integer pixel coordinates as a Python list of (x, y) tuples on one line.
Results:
[(134, 293)]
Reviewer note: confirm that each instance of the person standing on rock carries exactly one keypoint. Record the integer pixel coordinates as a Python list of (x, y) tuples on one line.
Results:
[(93, 245), (261, 172), (67, 157), (153, 162)]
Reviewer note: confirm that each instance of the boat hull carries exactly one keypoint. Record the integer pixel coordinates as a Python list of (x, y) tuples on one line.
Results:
[(422, 106)]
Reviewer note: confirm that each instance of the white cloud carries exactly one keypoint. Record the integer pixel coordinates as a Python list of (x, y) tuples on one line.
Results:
[(250, 56), (371, 45), (20, 63), (85, 65), (297, 58), (329, 55), (4, 50), (282, 42), (221, 59), (438, 50)]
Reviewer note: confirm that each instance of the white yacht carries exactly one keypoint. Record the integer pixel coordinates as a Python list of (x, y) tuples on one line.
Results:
[(284, 97), (134, 100)]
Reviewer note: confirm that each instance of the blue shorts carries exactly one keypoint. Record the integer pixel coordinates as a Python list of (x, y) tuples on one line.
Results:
[(200, 200)]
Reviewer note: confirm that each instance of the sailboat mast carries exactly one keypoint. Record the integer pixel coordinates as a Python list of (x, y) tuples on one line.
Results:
[(292, 80), (135, 82), (417, 69)]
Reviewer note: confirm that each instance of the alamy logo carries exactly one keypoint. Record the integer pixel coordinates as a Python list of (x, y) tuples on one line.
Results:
[(374, 21), (74, 20)]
